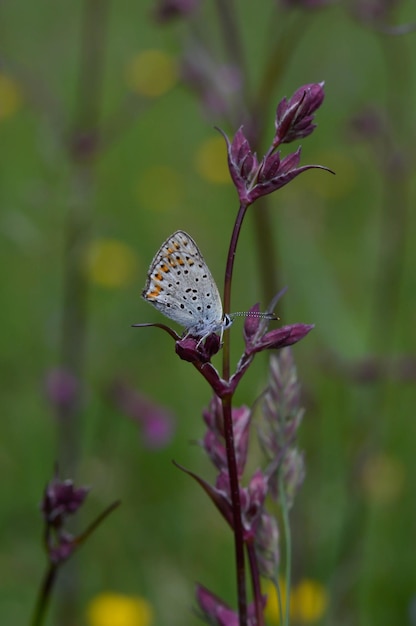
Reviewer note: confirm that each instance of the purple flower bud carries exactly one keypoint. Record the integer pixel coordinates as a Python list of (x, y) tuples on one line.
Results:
[(252, 501), (252, 323), (294, 117), (278, 338), (242, 163), (60, 500)]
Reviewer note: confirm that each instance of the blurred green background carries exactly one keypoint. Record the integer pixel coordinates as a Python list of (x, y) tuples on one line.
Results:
[(97, 168)]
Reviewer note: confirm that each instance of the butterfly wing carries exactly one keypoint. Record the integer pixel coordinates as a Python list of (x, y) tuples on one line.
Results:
[(180, 285)]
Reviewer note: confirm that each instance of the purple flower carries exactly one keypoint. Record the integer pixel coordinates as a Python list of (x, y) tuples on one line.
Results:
[(294, 117), (214, 84), (61, 549), (252, 501), (60, 500), (62, 390), (157, 423), (254, 179), (307, 4)]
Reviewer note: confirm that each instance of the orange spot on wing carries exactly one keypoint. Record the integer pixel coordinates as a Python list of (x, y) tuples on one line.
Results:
[(154, 293), (164, 268)]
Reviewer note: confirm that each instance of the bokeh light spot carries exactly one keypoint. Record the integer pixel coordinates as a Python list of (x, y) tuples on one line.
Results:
[(211, 161), (111, 263), (160, 188), (272, 612), (151, 73), (10, 96), (383, 478), (114, 609), (309, 602)]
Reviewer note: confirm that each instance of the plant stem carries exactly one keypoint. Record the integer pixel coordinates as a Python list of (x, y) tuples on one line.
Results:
[(44, 595), (228, 431), (236, 504), (288, 544), (83, 152), (255, 583), (227, 286)]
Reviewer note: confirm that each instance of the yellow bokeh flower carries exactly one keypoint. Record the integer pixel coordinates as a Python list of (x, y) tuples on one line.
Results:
[(115, 609), (151, 73), (211, 161), (111, 263), (309, 601), (10, 96), (272, 611), (383, 478), (160, 188)]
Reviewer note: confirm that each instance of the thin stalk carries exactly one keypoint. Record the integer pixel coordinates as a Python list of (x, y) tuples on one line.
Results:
[(288, 544), (255, 583), (236, 504), (44, 596), (83, 152), (227, 286), (228, 431)]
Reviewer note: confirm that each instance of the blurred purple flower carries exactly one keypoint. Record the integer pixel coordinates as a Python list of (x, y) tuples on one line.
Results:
[(168, 10), (376, 12), (307, 4), (214, 84), (62, 389), (157, 423), (60, 500)]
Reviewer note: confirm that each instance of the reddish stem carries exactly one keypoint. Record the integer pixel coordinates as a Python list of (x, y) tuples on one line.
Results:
[(228, 432)]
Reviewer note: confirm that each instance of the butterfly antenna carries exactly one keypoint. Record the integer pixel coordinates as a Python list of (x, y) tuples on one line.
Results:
[(264, 316)]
